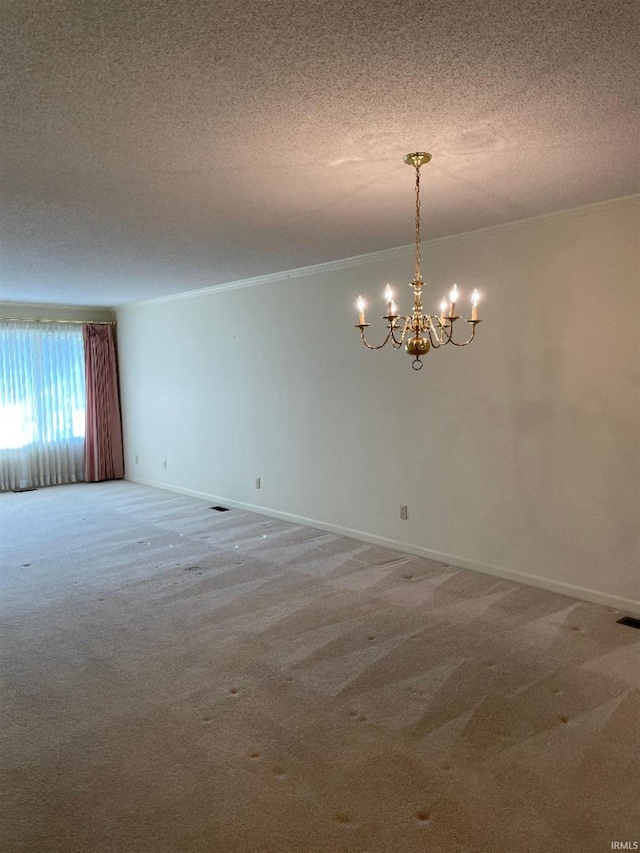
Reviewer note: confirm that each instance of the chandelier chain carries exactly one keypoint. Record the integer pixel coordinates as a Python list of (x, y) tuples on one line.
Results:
[(418, 276)]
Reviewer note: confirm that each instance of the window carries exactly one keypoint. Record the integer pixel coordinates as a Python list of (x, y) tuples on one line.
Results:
[(42, 403)]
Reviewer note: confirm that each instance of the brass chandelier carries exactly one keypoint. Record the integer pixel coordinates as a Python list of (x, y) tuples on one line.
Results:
[(419, 331)]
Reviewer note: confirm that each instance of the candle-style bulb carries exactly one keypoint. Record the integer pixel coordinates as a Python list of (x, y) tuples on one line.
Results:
[(475, 298), (360, 303), (453, 296), (443, 306), (388, 293)]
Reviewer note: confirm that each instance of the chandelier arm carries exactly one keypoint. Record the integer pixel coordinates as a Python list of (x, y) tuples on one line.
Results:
[(434, 338), (372, 346), (442, 333), (474, 323), (397, 343)]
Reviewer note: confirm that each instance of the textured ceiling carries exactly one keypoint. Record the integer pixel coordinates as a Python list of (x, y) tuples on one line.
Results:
[(154, 147)]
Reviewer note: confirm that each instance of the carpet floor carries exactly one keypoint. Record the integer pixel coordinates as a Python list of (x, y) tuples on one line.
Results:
[(177, 680)]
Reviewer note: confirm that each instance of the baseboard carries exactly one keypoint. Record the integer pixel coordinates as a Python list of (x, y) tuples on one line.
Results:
[(627, 605)]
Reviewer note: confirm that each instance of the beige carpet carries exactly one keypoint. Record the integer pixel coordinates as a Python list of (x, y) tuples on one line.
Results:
[(178, 680)]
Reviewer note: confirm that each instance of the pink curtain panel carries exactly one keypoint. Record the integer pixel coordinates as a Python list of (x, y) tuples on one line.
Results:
[(104, 458)]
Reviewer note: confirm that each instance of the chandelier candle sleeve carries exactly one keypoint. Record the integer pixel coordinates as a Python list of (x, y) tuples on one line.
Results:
[(475, 298), (388, 295), (453, 296), (417, 331)]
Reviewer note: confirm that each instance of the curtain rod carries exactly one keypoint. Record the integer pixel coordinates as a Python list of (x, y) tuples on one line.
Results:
[(45, 320)]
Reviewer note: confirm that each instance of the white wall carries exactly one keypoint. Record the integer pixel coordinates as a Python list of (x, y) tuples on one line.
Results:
[(517, 455)]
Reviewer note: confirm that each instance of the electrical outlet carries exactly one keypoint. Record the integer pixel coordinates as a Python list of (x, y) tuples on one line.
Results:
[(136, 458), (257, 482), (164, 464), (404, 513)]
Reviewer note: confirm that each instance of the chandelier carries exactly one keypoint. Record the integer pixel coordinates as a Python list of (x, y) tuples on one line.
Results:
[(419, 331)]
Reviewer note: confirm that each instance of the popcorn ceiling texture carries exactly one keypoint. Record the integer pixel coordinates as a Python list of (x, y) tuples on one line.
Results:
[(182, 681), (155, 147)]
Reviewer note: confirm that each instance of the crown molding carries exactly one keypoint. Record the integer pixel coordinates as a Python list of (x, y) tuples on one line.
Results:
[(315, 269), (542, 219), (396, 252)]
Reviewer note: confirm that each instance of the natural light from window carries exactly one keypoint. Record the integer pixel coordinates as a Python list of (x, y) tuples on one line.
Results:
[(42, 394), (18, 428)]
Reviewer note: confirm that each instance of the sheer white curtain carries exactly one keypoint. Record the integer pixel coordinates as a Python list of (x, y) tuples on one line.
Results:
[(42, 404)]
